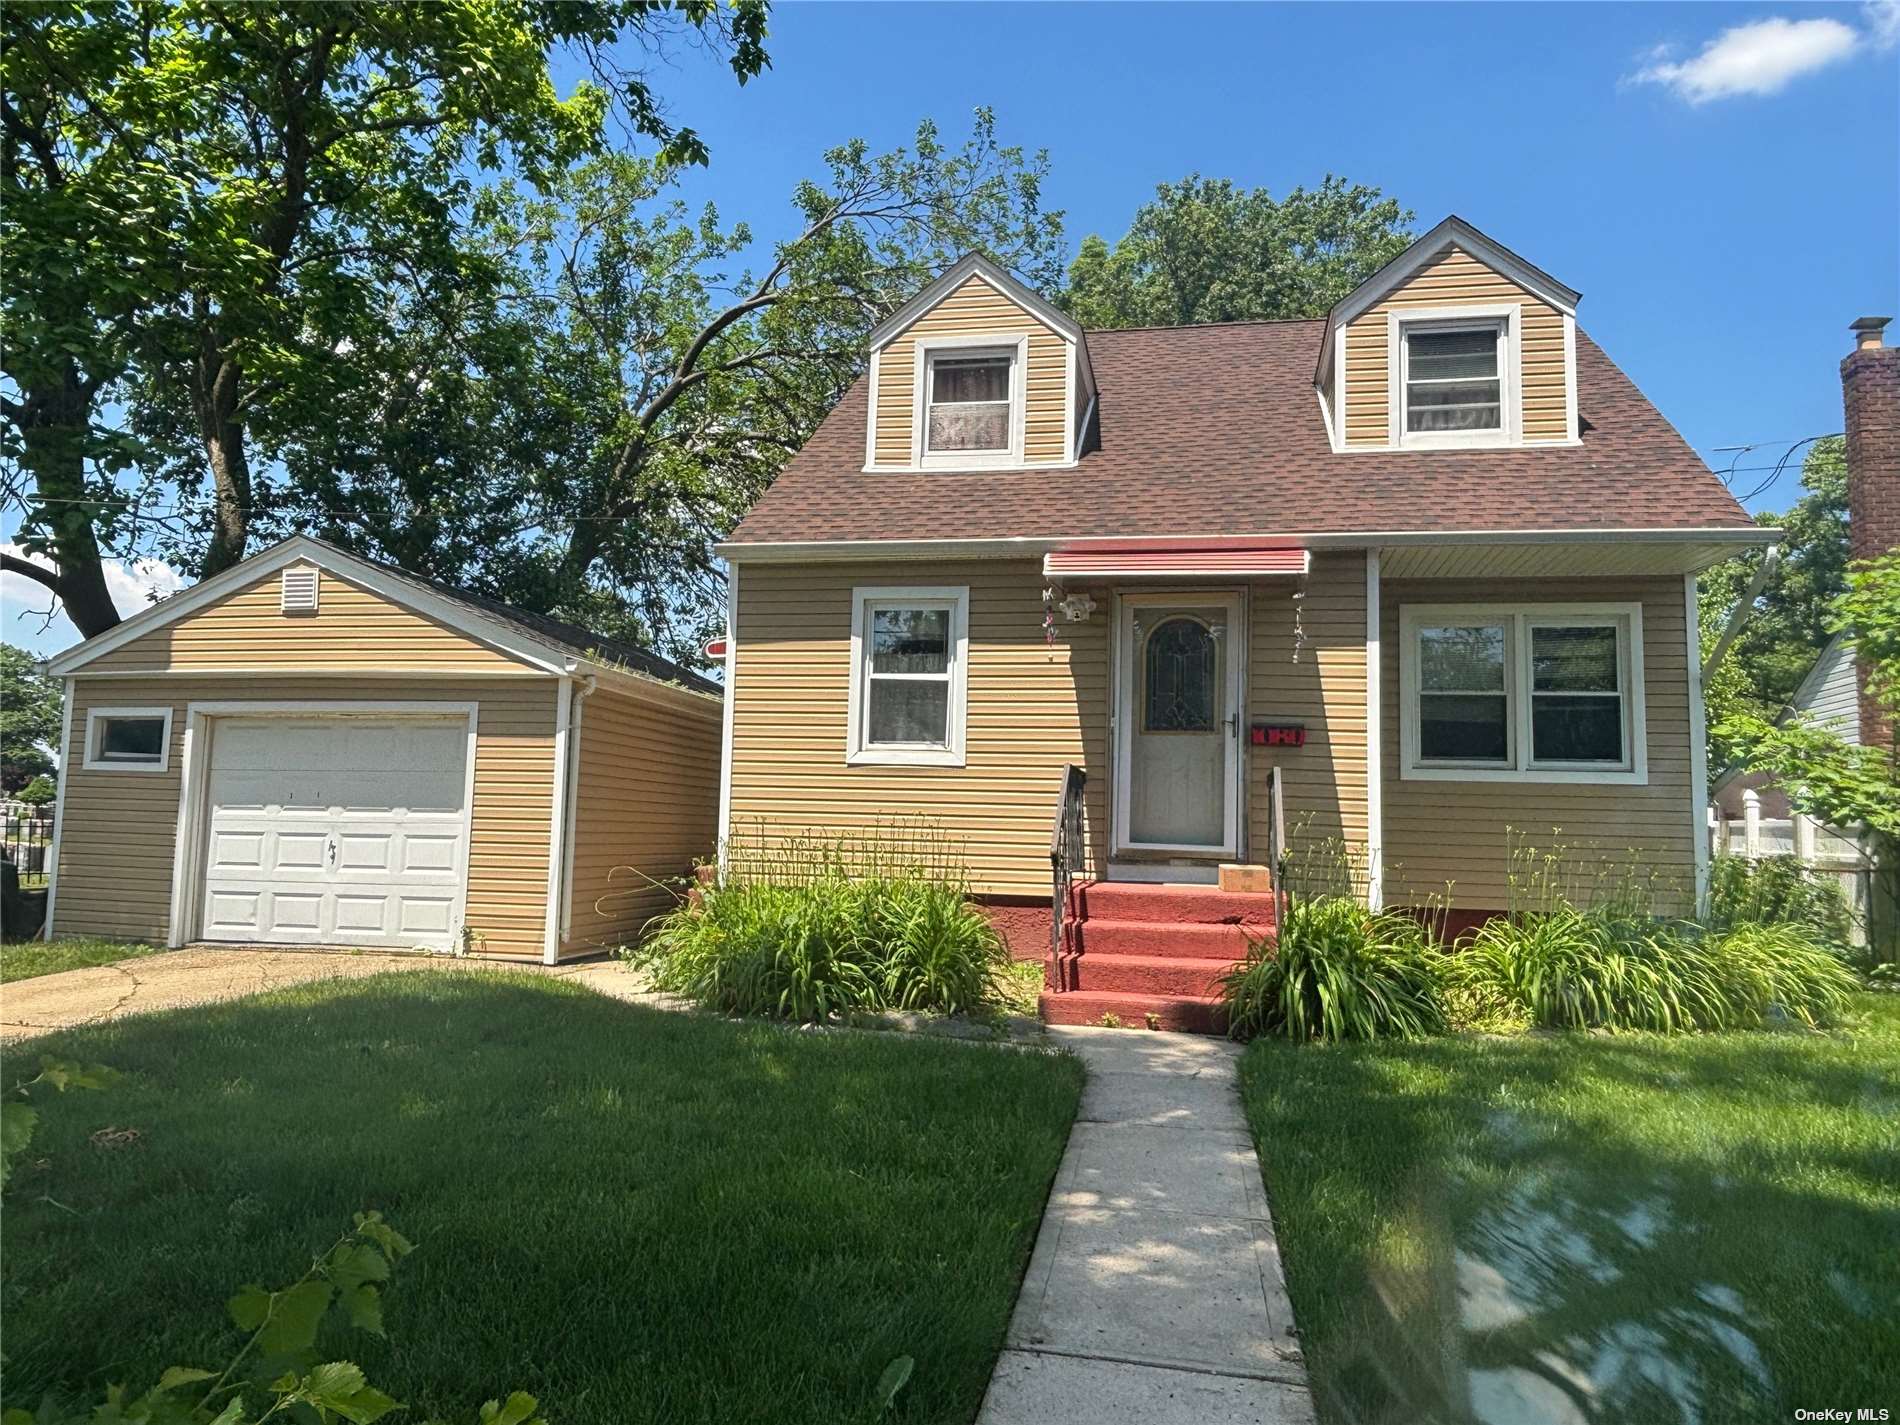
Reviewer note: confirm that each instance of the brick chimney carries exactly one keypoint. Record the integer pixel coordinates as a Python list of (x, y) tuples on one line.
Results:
[(1870, 390)]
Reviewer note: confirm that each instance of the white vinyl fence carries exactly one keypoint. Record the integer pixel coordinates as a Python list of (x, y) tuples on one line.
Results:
[(1825, 850)]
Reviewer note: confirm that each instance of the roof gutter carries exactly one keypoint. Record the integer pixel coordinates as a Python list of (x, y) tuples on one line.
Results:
[(783, 551), (1740, 613)]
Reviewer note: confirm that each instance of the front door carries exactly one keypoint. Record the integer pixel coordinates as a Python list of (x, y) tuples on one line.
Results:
[(1178, 723)]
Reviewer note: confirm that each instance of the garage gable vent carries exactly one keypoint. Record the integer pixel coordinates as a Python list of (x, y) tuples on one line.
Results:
[(300, 590)]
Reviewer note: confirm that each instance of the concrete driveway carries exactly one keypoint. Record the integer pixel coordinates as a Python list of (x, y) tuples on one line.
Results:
[(199, 976)]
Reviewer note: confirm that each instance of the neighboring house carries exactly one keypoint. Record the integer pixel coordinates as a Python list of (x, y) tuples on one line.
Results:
[(314, 749), (1437, 530), (1829, 697)]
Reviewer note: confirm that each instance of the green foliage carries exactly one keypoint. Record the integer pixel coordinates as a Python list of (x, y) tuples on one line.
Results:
[(1572, 969), (30, 704), (18, 1117), (1206, 250), (821, 931), (41, 791), (202, 202), (574, 432), (1776, 890), (278, 1358), (1792, 621), (1336, 971)]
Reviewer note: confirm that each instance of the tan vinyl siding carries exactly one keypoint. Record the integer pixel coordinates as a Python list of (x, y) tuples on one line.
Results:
[(1453, 279), (117, 840), (1318, 678), (352, 628), (976, 309), (1032, 708), (1439, 832), (646, 808)]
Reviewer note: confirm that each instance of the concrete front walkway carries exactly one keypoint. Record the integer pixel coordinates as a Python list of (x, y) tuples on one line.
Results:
[(1155, 1291), (199, 975)]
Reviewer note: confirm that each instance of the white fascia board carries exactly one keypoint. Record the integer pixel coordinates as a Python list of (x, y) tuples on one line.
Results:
[(797, 551), (300, 548), (1453, 231), (969, 265)]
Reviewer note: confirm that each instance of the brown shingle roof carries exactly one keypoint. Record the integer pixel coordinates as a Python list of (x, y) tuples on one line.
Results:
[(1215, 430)]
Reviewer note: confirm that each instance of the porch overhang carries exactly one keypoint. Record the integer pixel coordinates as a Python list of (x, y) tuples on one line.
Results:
[(1133, 561)]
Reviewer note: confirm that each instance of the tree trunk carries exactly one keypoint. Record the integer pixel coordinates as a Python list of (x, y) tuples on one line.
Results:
[(54, 420), (218, 380)]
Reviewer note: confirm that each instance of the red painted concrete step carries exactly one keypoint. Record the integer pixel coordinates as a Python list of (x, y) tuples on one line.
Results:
[(1142, 974), (1140, 900), (1194, 940), (1192, 1013)]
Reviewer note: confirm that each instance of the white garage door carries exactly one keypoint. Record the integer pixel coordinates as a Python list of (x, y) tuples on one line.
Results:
[(336, 831)]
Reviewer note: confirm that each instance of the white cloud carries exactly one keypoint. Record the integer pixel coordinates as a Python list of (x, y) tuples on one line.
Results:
[(1764, 56), (24, 604), (1883, 23)]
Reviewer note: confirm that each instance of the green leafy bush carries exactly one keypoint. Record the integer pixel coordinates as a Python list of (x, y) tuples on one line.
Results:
[(1336, 971), (1763, 968), (820, 931), (1571, 969), (1776, 890)]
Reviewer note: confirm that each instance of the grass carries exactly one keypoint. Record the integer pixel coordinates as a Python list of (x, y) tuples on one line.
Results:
[(633, 1215), (26, 959), (1590, 1228)]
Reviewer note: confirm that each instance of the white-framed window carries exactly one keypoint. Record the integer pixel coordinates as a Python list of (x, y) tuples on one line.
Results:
[(1524, 693), (909, 675), (970, 401), (128, 740), (1453, 376)]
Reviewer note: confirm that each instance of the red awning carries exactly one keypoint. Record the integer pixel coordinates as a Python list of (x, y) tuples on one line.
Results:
[(1231, 560)]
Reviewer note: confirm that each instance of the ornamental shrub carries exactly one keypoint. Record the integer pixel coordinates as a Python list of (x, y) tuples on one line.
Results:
[(1336, 971), (816, 931)]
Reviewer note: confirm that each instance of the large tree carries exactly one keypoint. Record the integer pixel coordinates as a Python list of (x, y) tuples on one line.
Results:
[(1208, 250), (1794, 615), (30, 710), (198, 198), (577, 436)]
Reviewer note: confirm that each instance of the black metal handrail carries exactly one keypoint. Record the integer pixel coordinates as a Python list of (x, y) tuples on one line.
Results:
[(1066, 852)]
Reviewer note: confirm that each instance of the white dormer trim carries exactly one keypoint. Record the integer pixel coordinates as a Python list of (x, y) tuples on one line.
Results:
[(972, 264), (1018, 351), (1452, 232), (1078, 379), (1510, 315)]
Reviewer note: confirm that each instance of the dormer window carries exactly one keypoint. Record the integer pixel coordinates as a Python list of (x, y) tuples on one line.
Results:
[(969, 404), (1454, 379)]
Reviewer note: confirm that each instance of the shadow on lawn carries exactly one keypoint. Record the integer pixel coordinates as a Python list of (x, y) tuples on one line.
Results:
[(1541, 1258), (635, 1216)]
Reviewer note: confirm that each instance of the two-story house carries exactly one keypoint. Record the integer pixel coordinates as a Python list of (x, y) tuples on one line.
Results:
[(1427, 564)]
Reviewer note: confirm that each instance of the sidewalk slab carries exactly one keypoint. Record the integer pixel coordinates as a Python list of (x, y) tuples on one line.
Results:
[(1037, 1389), (1133, 1166), (1155, 1288)]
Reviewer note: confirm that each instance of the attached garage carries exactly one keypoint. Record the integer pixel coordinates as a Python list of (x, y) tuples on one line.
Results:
[(315, 750)]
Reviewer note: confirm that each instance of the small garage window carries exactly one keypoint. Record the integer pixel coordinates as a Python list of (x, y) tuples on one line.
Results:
[(128, 739)]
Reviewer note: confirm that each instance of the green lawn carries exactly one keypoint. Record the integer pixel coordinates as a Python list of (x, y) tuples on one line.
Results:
[(633, 1215), (1703, 1228), (24, 959)]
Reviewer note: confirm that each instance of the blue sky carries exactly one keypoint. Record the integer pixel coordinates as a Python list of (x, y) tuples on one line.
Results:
[(1725, 217)]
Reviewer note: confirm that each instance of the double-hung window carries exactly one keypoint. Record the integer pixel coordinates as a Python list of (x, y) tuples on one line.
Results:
[(1454, 379), (909, 649), (128, 740), (1543, 692), (971, 399)]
